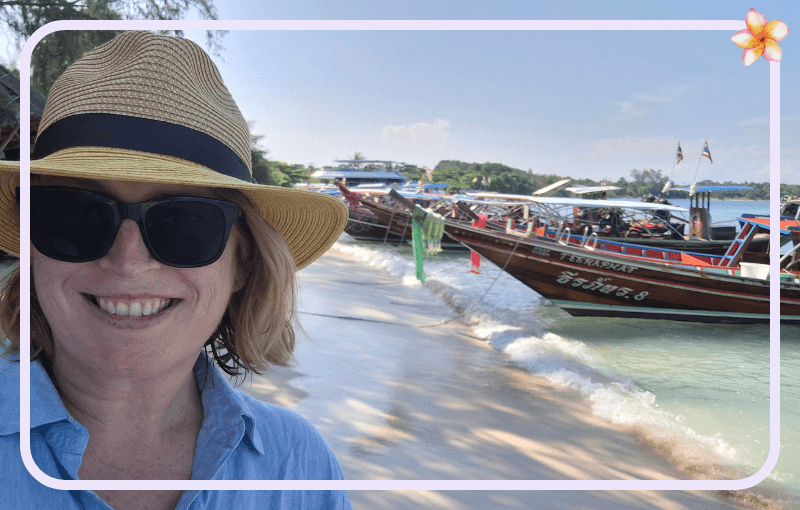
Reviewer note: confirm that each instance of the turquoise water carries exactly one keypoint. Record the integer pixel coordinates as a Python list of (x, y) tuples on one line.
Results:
[(699, 393)]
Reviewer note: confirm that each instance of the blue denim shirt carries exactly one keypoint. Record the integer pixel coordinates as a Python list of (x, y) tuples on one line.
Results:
[(241, 438)]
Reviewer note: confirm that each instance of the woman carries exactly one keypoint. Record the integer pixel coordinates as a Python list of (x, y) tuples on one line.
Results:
[(157, 261)]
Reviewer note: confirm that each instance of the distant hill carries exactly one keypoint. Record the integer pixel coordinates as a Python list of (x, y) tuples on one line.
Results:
[(470, 176), (501, 178), (463, 176)]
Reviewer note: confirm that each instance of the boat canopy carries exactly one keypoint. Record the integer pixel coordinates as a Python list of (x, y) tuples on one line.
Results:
[(552, 188), (358, 174), (787, 227), (705, 189), (585, 202), (581, 190), (367, 162), (428, 185)]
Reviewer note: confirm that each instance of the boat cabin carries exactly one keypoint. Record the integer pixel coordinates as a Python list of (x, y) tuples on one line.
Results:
[(353, 172)]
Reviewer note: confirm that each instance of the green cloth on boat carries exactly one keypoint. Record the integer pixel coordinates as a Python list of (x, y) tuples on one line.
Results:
[(417, 218), (432, 231)]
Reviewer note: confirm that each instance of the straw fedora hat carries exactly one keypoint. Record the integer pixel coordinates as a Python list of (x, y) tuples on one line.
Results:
[(153, 108)]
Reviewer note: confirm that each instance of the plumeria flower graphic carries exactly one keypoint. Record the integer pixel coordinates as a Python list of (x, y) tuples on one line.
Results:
[(760, 38)]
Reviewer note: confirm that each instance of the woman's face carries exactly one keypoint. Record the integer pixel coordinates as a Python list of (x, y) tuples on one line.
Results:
[(185, 305)]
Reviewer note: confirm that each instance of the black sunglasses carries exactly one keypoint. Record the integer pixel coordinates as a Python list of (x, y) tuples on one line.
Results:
[(75, 225)]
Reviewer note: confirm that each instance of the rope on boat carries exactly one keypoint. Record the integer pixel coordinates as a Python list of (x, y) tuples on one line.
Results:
[(345, 317), (398, 282), (445, 321), (476, 303)]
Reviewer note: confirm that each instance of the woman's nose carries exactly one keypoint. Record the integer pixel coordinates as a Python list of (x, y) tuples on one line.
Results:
[(129, 255)]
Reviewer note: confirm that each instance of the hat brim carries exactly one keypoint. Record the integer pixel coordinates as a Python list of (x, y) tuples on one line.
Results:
[(309, 222)]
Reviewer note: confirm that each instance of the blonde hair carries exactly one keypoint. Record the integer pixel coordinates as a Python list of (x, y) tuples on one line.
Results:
[(257, 329)]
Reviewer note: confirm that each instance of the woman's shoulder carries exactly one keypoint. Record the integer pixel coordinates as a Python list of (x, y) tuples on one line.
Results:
[(278, 419), (291, 444), (9, 393)]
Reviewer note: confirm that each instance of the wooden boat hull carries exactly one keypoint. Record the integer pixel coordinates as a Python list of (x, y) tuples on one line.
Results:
[(587, 282), (366, 226), (710, 247), (704, 246)]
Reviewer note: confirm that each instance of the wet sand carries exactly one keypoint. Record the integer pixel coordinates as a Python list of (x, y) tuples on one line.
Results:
[(399, 393)]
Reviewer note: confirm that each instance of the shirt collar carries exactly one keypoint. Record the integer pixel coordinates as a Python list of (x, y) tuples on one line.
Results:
[(227, 416), (46, 405)]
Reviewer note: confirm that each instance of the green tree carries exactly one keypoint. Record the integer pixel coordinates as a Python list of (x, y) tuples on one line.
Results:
[(54, 53), (274, 173), (646, 182), (260, 166)]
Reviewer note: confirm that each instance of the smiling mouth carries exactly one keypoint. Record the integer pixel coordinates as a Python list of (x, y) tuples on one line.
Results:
[(128, 308)]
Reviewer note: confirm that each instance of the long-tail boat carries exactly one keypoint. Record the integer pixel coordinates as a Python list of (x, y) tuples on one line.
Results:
[(650, 222), (603, 278)]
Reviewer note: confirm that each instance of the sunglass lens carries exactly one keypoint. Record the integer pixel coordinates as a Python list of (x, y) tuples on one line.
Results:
[(71, 225), (186, 232)]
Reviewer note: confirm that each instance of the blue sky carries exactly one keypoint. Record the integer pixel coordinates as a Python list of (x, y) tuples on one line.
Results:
[(583, 104)]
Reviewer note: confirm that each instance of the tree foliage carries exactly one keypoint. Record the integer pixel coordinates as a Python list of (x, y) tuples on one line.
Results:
[(56, 51), (504, 179), (500, 178), (274, 173)]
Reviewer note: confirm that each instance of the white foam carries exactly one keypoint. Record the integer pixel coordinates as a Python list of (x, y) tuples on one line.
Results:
[(613, 397), (504, 320), (512, 318)]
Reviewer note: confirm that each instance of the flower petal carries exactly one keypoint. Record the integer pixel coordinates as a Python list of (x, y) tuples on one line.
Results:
[(744, 39), (750, 55), (772, 51), (777, 29), (755, 21)]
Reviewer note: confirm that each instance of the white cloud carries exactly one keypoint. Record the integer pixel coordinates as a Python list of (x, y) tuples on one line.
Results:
[(760, 175), (627, 110), (639, 103), (765, 120), (755, 150), (636, 148), (754, 122), (418, 134), (790, 165)]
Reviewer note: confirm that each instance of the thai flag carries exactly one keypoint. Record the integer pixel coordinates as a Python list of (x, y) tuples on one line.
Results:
[(679, 155), (707, 153)]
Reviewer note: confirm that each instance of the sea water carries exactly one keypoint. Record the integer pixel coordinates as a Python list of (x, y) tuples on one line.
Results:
[(699, 393)]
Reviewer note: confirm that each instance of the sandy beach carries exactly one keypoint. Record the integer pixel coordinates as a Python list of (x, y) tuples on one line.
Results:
[(401, 390)]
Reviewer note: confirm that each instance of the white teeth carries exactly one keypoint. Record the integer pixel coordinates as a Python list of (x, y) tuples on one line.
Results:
[(108, 306), (135, 309)]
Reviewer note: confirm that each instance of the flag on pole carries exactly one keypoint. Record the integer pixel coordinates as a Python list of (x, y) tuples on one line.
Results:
[(707, 153), (679, 155)]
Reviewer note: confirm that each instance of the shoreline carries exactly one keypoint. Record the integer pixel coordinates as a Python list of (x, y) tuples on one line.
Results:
[(399, 395)]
